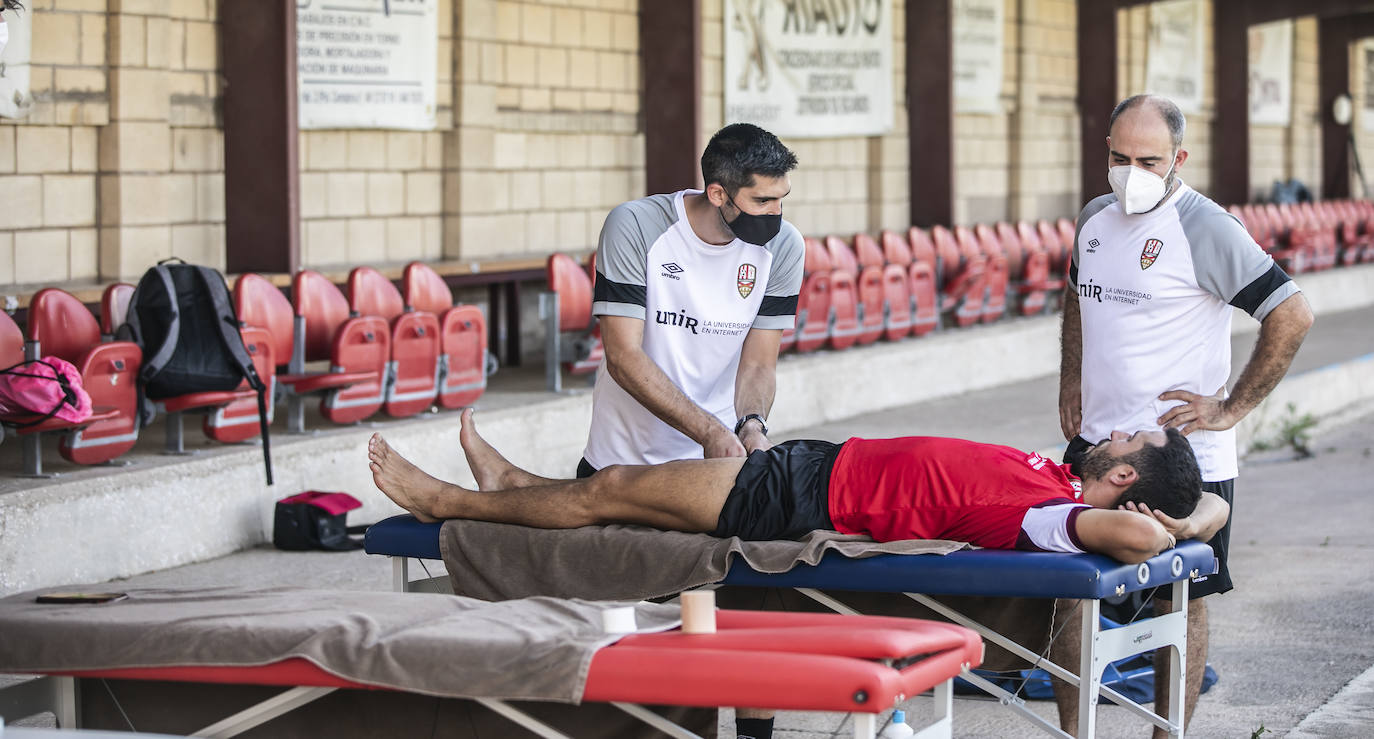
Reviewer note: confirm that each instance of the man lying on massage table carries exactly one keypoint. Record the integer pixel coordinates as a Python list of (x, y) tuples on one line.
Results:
[(1130, 497)]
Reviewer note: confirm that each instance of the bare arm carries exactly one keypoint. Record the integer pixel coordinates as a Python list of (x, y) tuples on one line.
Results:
[(1070, 367), (1124, 535), (756, 383), (1281, 333), (633, 370), (1202, 524)]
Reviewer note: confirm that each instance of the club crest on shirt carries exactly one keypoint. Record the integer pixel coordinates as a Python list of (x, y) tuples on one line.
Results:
[(745, 279), (1150, 253)]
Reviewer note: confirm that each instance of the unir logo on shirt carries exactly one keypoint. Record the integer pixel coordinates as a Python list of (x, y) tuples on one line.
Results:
[(1150, 253), (745, 279)]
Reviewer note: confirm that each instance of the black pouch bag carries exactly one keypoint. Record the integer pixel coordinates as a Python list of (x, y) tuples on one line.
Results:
[(315, 520)]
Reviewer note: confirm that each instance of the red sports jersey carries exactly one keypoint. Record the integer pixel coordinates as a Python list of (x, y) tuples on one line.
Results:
[(920, 487)]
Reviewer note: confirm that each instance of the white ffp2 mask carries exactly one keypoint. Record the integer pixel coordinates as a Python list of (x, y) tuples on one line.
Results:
[(1139, 190)]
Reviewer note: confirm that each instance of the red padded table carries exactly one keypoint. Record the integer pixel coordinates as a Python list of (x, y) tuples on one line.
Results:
[(861, 665)]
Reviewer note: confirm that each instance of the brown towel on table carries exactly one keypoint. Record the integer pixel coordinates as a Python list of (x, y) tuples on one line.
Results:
[(494, 561), (439, 645)]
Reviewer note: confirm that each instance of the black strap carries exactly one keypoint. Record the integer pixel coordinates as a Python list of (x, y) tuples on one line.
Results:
[(68, 394), (232, 341)]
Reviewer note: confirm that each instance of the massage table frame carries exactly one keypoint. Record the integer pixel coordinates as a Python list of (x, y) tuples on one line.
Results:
[(819, 662), (1087, 578)]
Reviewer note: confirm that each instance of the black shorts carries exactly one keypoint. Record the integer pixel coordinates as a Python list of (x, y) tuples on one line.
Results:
[(781, 493), (1220, 542)]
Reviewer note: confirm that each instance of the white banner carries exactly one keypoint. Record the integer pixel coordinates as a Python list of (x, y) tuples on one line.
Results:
[(1173, 56), (1271, 73), (977, 56), (805, 68), (15, 97), (366, 63), (1367, 115)]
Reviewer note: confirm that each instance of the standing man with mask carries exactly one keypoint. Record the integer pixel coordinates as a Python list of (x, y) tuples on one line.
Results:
[(1157, 268), (693, 290)]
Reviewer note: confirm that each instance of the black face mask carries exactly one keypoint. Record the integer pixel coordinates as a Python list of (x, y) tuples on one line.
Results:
[(752, 229)]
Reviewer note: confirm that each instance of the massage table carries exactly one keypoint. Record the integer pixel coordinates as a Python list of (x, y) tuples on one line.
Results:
[(861, 666), (1088, 578)]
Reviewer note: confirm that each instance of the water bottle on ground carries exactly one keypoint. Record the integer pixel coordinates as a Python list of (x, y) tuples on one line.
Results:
[(898, 729)]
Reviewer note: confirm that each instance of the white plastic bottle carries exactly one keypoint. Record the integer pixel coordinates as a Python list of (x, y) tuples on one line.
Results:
[(898, 729)]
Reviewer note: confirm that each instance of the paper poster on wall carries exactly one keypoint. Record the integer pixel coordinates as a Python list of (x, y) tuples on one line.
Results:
[(1271, 73), (1367, 108), (15, 97), (1173, 53), (809, 69), (366, 63), (977, 28)]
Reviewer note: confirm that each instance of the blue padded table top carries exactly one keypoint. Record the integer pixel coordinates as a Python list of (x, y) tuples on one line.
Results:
[(990, 572), (403, 536)]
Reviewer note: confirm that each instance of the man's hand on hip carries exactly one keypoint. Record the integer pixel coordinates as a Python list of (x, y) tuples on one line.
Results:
[(721, 443), (1198, 412)]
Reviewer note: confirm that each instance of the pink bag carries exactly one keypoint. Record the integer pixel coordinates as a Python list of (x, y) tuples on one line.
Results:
[(50, 387)]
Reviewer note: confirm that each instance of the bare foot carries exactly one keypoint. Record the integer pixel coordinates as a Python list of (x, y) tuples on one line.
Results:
[(407, 485), (491, 470)]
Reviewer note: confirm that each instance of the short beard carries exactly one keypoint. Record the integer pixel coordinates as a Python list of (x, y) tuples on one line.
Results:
[(1096, 463)]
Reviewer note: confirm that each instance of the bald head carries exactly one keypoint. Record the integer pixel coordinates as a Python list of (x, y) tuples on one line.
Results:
[(1154, 107)]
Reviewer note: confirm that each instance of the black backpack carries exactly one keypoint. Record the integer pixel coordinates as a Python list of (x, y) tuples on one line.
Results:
[(182, 318)]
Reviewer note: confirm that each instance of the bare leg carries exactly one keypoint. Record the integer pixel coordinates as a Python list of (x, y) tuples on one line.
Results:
[(681, 496), (1196, 663), (492, 471), (1066, 651)]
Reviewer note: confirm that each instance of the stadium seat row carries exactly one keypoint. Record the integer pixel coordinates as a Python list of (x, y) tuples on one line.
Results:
[(1304, 237), (401, 352)]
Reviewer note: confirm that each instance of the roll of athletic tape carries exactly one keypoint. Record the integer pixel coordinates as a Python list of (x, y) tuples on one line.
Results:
[(618, 620), (699, 612)]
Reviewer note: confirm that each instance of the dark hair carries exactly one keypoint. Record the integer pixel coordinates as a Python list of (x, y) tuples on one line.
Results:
[(13, 5), (1167, 109), (741, 150), (1168, 476)]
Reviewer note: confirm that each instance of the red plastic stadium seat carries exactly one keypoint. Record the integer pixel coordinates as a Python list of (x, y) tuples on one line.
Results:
[(964, 282), (63, 327), (114, 307), (995, 273), (578, 335), (896, 249), (868, 284), (813, 302), (357, 348), (844, 310), (462, 333), (11, 341), (413, 374), (925, 313), (1054, 246), (1013, 248), (923, 249), (238, 420)]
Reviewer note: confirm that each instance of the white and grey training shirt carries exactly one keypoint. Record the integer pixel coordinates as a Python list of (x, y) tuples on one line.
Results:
[(1155, 292), (698, 301)]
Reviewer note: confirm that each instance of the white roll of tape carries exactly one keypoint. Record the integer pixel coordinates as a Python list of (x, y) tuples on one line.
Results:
[(618, 620)]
